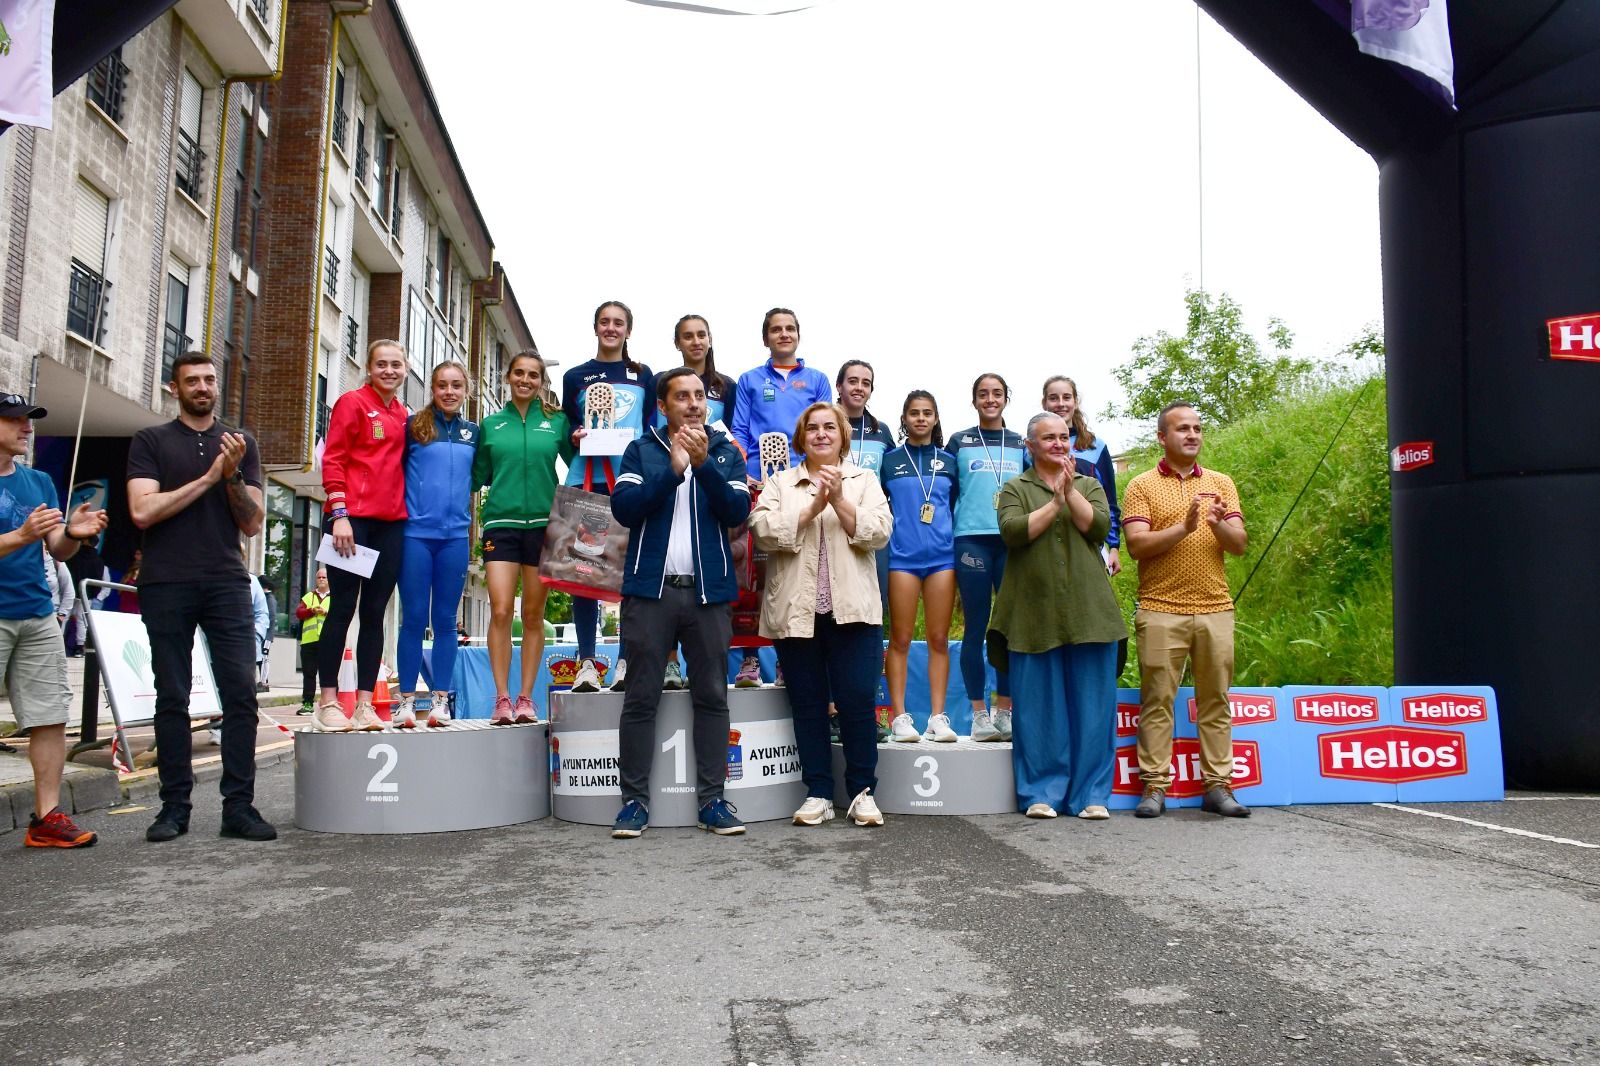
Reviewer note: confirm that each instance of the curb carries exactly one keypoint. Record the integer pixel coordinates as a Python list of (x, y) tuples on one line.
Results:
[(85, 788)]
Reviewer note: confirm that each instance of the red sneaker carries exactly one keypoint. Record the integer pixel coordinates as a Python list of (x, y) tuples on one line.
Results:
[(56, 830)]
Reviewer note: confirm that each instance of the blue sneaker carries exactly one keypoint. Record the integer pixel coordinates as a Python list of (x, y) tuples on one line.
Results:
[(632, 820), (718, 817)]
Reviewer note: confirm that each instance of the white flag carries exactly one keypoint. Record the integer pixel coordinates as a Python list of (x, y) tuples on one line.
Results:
[(1413, 33), (27, 29)]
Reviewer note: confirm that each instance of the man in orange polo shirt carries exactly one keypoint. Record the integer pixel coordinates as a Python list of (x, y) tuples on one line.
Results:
[(1177, 520)]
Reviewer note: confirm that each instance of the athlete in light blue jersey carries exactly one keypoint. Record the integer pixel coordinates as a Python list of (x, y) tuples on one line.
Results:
[(987, 456), (633, 386), (919, 478)]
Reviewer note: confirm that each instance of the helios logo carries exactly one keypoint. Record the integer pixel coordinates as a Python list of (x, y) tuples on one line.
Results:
[(1336, 708), (1247, 708), (1575, 337), (1411, 456), (1444, 708), (1127, 719), (1187, 780), (1392, 754)]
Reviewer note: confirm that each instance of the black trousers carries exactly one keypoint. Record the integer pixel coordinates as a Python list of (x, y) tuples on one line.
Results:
[(308, 671), (655, 628), (220, 610), (370, 595)]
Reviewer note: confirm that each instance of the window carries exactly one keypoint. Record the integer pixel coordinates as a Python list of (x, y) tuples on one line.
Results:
[(175, 338), (439, 269), (341, 116), (88, 290), (108, 83), (190, 158), (324, 411), (363, 156), (330, 271), (383, 166)]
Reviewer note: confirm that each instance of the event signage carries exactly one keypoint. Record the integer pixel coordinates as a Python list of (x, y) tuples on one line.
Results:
[(1246, 708), (1575, 337), (1187, 780), (1413, 455), (1321, 712), (1392, 753), (1336, 708), (1466, 717)]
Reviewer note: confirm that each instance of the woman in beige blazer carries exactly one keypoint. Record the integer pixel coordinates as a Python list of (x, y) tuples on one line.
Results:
[(820, 524)]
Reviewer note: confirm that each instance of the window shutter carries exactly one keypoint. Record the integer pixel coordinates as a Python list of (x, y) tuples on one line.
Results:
[(189, 115), (90, 226)]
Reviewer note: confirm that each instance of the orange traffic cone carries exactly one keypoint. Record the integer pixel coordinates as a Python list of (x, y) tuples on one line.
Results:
[(347, 683), (380, 695)]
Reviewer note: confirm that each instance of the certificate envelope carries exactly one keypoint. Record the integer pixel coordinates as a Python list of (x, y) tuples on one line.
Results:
[(361, 562)]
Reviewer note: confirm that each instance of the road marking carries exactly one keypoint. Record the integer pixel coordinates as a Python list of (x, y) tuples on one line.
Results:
[(1489, 825), (1552, 799)]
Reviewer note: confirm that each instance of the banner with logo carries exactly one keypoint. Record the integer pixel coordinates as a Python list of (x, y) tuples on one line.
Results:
[(1413, 33), (1338, 740), (123, 649), (1464, 761), (27, 33)]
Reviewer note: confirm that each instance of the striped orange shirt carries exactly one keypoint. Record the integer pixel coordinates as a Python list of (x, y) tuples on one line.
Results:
[(1189, 577)]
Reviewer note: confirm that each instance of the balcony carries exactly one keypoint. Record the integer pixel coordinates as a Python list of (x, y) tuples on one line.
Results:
[(324, 412), (363, 158), (330, 276), (87, 296), (108, 81), (241, 42), (191, 160), (341, 126), (173, 344), (371, 241)]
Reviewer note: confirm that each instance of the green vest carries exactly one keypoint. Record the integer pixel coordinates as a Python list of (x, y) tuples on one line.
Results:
[(311, 626)]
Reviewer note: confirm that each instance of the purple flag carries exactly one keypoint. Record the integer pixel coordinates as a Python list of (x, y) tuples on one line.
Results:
[(27, 30), (1413, 33)]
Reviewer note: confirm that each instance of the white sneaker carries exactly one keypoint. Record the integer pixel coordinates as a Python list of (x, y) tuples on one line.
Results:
[(1043, 810), (330, 718), (983, 726), (864, 809), (814, 811), (903, 730), (440, 714), (405, 715), (216, 735), (939, 729), (619, 681), (366, 719), (1094, 813), (588, 679), (1002, 724)]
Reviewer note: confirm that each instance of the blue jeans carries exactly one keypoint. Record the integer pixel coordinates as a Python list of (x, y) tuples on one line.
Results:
[(843, 661), (980, 564), (432, 569), (1062, 742)]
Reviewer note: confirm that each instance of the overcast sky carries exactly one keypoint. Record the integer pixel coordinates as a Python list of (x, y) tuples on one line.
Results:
[(938, 187)]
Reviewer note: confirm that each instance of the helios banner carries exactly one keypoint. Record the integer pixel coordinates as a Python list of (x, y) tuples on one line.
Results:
[(27, 28)]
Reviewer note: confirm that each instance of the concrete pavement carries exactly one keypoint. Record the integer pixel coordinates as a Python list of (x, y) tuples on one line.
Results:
[(1356, 935)]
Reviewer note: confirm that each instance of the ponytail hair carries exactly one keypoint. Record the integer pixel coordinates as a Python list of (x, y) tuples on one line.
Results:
[(713, 381), (633, 367), (869, 421), (1082, 438), (423, 431)]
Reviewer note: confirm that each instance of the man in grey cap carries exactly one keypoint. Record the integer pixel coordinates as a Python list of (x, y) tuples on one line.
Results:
[(33, 659)]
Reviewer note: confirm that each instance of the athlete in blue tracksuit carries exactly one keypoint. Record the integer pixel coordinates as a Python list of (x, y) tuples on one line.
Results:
[(440, 447), (987, 456), (633, 386), (869, 438), (770, 397), (919, 478)]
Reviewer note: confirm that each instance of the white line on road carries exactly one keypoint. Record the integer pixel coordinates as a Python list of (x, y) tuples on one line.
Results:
[(1488, 825)]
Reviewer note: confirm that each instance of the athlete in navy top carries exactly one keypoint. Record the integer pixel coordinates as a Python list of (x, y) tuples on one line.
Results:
[(692, 338), (869, 440), (987, 456), (1094, 457), (919, 478), (634, 389), (771, 397)]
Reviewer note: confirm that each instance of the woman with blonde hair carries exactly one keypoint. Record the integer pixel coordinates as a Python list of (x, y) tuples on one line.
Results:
[(820, 523)]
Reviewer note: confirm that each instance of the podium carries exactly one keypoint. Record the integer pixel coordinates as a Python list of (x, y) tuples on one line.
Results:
[(966, 777), (763, 763), (467, 775)]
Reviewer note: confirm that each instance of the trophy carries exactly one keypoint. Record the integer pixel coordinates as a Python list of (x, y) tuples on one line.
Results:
[(774, 449), (601, 436)]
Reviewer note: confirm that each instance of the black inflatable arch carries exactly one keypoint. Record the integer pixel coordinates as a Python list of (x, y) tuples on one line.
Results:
[(1491, 227)]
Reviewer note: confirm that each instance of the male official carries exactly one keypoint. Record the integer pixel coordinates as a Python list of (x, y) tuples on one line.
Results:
[(312, 610), (195, 489), (680, 490), (1177, 521), (33, 659)]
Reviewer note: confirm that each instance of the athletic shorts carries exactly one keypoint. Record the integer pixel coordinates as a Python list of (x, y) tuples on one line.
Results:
[(33, 661), (921, 573), (520, 546)]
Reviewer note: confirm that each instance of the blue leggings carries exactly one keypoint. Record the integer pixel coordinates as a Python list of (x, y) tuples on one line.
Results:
[(432, 568), (980, 564)]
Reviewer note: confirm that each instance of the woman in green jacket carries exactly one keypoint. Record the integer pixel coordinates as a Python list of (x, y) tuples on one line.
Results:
[(517, 460), (1055, 626)]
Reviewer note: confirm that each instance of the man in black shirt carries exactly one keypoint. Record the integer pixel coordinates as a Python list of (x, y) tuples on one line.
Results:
[(194, 488)]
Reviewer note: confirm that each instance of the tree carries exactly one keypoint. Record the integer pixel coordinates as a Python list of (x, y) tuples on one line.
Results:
[(1216, 365)]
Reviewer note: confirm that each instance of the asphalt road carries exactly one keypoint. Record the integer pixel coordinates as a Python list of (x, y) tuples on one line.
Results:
[(1327, 935)]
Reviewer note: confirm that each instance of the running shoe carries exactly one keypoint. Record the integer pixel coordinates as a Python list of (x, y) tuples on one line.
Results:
[(588, 679), (939, 730), (983, 726), (307, 709), (405, 716), (632, 820), (718, 817), (527, 713), (503, 712), (1002, 724), (673, 680), (366, 719), (903, 730), (439, 713), (814, 811), (330, 718), (619, 683), (56, 830), (777, 677), (749, 675), (864, 809)]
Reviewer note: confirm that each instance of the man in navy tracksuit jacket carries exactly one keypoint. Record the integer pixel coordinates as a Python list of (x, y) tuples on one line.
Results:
[(681, 487)]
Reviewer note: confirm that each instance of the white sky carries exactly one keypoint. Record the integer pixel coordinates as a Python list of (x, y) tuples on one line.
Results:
[(938, 187)]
